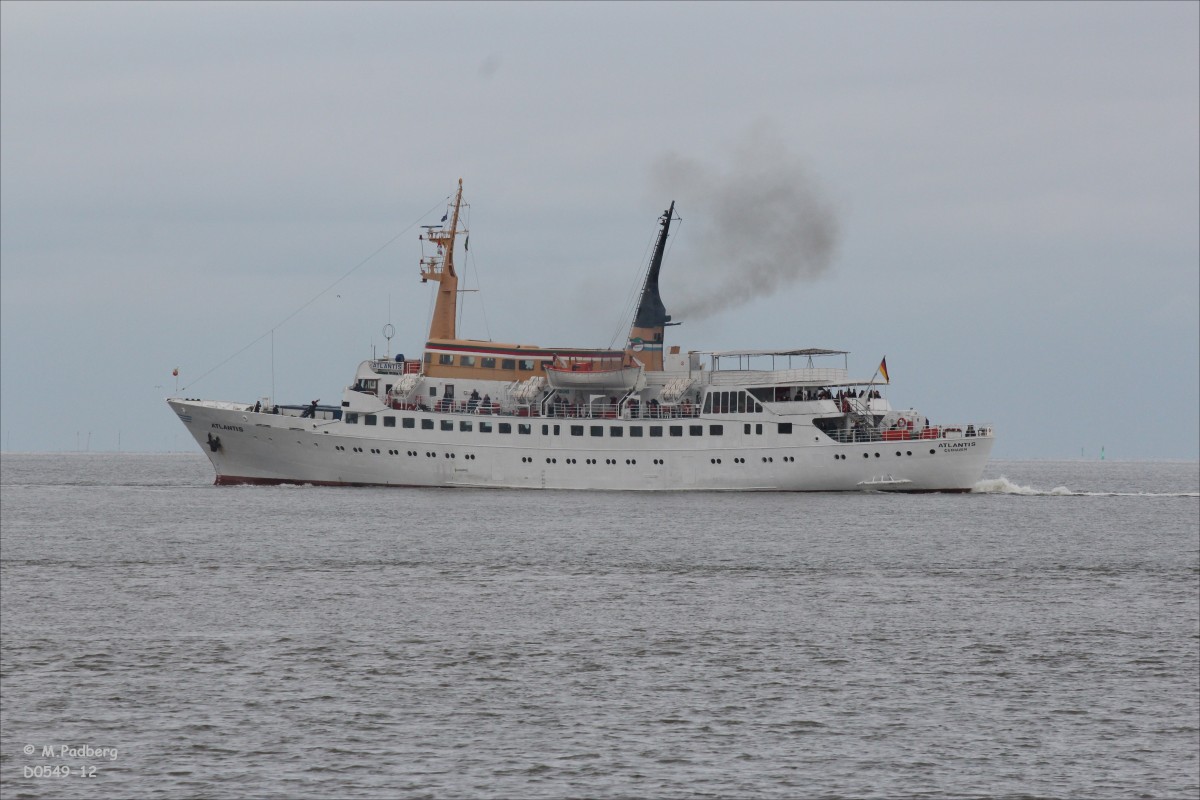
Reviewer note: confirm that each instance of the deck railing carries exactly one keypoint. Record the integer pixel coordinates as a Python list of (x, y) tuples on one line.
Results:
[(955, 431)]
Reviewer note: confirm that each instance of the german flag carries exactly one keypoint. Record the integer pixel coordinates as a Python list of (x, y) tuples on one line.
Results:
[(883, 370)]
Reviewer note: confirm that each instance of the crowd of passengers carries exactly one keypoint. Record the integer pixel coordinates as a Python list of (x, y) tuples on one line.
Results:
[(558, 407), (823, 393)]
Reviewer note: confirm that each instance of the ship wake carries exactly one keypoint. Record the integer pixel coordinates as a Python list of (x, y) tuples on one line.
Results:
[(1003, 485)]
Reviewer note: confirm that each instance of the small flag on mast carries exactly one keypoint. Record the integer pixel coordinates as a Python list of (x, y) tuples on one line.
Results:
[(445, 216), (883, 370), (175, 372)]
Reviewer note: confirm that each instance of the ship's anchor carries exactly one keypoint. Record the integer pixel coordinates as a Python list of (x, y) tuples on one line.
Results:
[(214, 443)]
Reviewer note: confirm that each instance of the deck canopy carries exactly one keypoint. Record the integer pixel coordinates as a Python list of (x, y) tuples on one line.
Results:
[(807, 351), (745, 358)]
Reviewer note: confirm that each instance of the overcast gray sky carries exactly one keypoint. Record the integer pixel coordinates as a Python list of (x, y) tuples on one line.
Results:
[(1010, 194)]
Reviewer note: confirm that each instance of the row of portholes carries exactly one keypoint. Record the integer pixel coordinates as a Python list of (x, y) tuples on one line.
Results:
[(842, 456), (766, 460), (609, 461)]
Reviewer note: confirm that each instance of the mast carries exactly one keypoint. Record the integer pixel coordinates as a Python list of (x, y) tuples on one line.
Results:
[(440, 267), (646, 334)]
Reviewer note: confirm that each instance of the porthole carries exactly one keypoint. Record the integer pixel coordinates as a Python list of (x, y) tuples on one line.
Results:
[(866, 455), (931, 452)]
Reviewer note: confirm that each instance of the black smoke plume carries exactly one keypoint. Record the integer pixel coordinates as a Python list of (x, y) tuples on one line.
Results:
[(752, 227)]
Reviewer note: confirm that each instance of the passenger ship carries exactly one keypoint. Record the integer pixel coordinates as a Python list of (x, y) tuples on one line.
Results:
[(473, 413)]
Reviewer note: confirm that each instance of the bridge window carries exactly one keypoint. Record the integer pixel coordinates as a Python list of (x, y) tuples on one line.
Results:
[(466, 361), (508, 363), (527, 364), (489, 363), (445, 358)]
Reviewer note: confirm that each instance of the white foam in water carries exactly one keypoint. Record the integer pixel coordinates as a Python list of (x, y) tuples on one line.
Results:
[(1003, 485)]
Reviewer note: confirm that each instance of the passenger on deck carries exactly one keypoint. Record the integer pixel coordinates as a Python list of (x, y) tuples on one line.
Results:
[(311, 411), (473, 401), (487, 405)]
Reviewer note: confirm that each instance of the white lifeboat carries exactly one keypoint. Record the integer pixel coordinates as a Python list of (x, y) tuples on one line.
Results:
[(615, 376)]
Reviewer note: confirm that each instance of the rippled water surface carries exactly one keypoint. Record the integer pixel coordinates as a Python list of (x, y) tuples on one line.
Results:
[(1040, 637)]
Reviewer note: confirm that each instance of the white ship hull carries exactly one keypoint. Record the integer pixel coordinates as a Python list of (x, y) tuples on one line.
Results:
[(261, 448)]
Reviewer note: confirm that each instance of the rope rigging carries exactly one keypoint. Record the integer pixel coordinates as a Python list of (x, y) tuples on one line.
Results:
[(315, 297)]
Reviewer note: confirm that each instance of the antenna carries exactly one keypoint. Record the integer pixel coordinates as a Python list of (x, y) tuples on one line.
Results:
[(389, 331)]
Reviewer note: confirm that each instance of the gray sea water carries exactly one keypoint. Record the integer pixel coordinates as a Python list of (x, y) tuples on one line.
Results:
[(163, 637)]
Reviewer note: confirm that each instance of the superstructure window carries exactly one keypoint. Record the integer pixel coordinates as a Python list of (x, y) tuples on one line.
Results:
[(489, 363), (785, 427), (635, 431), (597, 430), (408, 422), (426, 424), (466, 361), (655, 431), (716, 430), (389, 422), (577, 430), (445, 358), (351, 418), (447, 425), (677, 430), (508, 363), (616, 431), (485, 427), (370, 419), (464, 426), (506, 427), (695, 430), (527, 364), (524, 428)]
